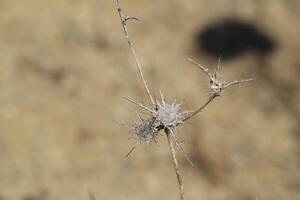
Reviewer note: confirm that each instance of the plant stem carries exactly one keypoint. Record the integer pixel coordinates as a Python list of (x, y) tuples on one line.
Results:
[(175, 162), (201, 108), (124, 20)]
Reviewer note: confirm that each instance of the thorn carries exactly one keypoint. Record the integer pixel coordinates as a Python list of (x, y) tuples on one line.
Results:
[(236, 82), (131, 150), (204, 69), (162, 98), (218, 67), (127, 18)]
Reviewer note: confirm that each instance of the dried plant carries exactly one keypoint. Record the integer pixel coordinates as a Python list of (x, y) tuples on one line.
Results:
[(215, 83), (164, 116)]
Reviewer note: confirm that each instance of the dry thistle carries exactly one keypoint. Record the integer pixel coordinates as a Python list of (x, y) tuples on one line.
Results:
[(167, 116), (215, 83), (145, 130), (163, 116)]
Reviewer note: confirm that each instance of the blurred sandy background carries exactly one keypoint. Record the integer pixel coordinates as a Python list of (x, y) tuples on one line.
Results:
[(65, 66)]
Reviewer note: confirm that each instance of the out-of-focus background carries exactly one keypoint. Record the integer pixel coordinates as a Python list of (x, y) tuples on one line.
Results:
[(65, 66)]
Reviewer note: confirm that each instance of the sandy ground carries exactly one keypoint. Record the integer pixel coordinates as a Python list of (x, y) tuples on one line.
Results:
[(65, 66)]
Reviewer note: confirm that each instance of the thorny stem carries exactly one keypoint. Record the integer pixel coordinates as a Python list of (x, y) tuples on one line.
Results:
[(175, 162), (179, 145), (132, 50), (201, 108)]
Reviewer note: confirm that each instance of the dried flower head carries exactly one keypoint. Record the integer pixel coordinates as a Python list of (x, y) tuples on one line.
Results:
[(215, 83), (168, 115), (144, 130), (164, 115)]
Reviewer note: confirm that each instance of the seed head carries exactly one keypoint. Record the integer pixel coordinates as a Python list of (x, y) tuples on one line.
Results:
[(168, 114), (216, 85), (145, 130)]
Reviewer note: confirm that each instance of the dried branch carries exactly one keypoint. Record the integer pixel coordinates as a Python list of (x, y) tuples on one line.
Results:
[(201, 108), (178, 175), (132, 50)]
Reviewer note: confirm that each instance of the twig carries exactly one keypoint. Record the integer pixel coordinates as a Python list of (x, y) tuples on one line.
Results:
[(175, 162), (132, 50), (201, 108)]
